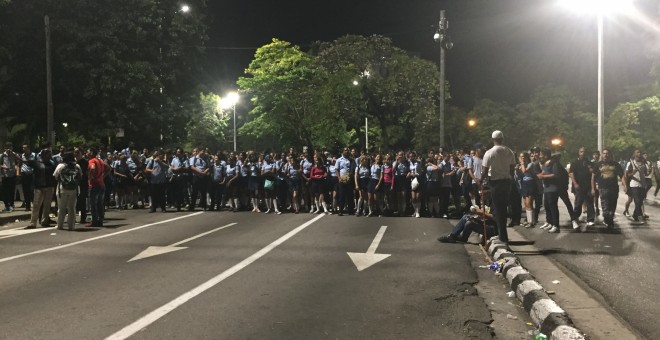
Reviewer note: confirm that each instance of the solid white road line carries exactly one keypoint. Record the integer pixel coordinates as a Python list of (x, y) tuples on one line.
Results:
[(7, 259), (21, 231), (185, 297)]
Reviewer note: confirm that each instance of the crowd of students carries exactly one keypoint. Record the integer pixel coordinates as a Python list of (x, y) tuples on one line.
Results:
[(402, 183)]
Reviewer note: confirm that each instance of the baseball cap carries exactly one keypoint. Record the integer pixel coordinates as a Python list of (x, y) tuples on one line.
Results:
[(497, 134)]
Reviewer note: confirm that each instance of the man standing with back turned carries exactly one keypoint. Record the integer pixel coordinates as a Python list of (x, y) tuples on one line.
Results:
[(498, 165)]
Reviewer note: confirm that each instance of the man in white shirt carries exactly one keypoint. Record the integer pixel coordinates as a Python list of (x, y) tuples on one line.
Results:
[(498, 165)]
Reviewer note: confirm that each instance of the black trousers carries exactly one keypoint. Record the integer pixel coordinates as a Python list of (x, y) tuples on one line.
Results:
[(7, 191), (199, 187), (27, 182), (608, 198), (515, 204), (177, 191), (583, 195), (346, 195), (216, 193), (637, 194), (499, 191), (157, 192), (81, 202), (563, 195)]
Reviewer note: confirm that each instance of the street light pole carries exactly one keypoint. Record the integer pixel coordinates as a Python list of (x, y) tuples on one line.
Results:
[(229, 101), (443, 22), (50, 120), (601, 102), (442, 37)]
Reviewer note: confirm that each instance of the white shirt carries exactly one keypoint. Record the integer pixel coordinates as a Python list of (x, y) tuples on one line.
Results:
[(499, 160)]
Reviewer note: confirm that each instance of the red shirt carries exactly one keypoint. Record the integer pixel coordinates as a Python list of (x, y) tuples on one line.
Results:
[(96, 168), (317, 173)]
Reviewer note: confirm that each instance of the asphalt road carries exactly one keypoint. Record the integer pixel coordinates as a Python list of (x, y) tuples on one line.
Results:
[(266, 276), (622, 264)]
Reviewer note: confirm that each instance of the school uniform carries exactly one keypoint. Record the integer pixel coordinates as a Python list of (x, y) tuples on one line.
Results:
[(200, 182)]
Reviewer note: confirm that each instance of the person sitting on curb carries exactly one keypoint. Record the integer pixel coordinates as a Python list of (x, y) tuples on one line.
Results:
[(469, 223)]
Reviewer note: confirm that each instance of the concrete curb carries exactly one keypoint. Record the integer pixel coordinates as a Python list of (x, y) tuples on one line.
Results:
[(12, 217), (553, 320)]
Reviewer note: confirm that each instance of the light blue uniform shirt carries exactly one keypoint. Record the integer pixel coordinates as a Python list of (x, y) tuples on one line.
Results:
[(363, 172), (432, 175), (344, 166), (332, 169), (25, 168), (306, 166), (198, 163), (401, 169), (159, 172), (375, 171), (218, 172)]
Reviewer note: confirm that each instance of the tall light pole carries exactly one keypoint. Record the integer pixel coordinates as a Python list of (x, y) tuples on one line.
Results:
[(601, 101), (600, 8), (50, 120), (443, 38), (229, 101)]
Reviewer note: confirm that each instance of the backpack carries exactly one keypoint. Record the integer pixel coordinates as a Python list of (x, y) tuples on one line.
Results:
[(69, 177)]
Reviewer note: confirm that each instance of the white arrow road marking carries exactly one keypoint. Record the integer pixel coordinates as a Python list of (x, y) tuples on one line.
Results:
[(153, 251), (365, 260), (187, 296), (15, 257)]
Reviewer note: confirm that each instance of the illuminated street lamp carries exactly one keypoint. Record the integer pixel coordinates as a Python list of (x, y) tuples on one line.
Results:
[(600, 8), (229, 101), (556, 142), (185, 8), (472, 123)]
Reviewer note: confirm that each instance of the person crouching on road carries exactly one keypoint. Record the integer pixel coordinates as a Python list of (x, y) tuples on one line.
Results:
[(68, 175), (469, 223)]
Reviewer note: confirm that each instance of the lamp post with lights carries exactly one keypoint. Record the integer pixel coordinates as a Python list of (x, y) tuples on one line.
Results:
[(229, 101), (599, 8), (445, 42)]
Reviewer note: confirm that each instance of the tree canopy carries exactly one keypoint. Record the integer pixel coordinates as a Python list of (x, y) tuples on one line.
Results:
[(117, 64)]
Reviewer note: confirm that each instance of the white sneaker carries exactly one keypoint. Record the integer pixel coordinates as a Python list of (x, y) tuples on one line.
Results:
[(553, 230), (575, 225), (417, 215), (530, 225), (545, 226), (278, 212)]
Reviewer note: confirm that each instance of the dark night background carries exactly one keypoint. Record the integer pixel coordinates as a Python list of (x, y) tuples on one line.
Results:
[(503, 49)]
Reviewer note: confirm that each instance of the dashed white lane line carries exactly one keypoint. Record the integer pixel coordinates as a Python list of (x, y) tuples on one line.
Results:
[(152, 317), (15, 257)]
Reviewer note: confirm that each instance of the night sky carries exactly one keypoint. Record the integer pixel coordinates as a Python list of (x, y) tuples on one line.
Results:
[(503, 49)]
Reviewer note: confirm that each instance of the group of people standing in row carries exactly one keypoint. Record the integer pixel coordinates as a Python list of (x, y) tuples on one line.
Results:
[(539, 179), (319, 181)]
